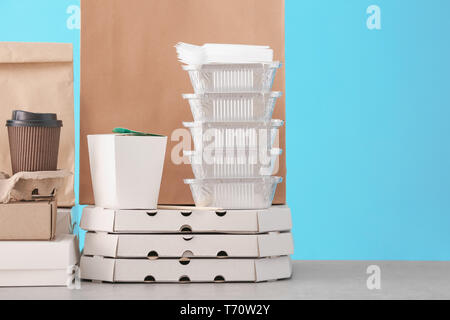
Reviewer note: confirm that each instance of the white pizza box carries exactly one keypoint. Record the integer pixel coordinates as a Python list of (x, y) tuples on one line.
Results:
[(276, 218), (195, 270), (188, 245), (38, 263)]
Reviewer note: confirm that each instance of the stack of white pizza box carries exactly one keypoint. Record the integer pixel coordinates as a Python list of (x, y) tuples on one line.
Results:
[(233, 234), (186, 245)]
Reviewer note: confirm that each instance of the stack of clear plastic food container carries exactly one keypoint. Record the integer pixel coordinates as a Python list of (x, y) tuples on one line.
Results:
[(233, 134)]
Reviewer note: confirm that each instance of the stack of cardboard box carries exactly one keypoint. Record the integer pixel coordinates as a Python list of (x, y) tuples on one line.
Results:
[(36, 244)]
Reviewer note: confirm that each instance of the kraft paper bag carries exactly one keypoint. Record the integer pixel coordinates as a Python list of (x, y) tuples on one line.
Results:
[(38, 77), (131, 77)]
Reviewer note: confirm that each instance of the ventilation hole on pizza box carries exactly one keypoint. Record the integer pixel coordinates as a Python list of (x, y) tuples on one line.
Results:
[(186, 213), (188, 238), (152, 255), (149, 279), (222, 254), (221, 213), (186, 228), (152, 213), (184, 261), (35, 192), (219, 279), (187, 254), (184, 279)]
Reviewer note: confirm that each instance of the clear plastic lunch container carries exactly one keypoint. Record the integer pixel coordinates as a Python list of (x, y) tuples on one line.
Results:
[(235, 77), (245, 106), (233, 163), (234, 135), (245, 193)]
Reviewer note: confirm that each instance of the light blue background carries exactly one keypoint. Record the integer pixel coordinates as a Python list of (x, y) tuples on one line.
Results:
[(367, 122)]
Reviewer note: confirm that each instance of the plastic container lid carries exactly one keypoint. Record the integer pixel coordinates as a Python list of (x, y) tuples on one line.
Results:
[(272, 94), (30, 119), (270, 179), (274, 123), (191, 67), (273, 151)]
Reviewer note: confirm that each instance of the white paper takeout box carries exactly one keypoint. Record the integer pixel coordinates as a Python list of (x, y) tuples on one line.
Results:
[(38, 263), (197, 270), (276, 218), (188, 245), (126, 170)]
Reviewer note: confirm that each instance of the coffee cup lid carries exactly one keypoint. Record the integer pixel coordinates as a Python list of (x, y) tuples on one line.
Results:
[(31, 119)]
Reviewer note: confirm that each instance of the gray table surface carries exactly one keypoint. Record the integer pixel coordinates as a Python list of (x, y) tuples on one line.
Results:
[(311, 280)]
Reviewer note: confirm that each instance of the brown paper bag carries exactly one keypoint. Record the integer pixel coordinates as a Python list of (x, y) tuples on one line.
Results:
[(38, 77), (130, 75)]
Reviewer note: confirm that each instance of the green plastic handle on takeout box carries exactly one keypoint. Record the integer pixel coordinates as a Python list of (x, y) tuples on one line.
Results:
[(134, 133)]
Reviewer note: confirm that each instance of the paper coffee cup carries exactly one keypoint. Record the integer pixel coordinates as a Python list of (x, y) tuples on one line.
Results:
[(33, 141)]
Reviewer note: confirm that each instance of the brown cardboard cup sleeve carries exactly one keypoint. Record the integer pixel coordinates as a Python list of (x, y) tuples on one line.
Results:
[(33, 141)]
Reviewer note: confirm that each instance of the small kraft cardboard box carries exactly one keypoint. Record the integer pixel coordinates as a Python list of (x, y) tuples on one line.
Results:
[(28, 220)]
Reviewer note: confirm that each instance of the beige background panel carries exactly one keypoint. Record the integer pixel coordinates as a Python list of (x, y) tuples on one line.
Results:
[(130, 75)]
